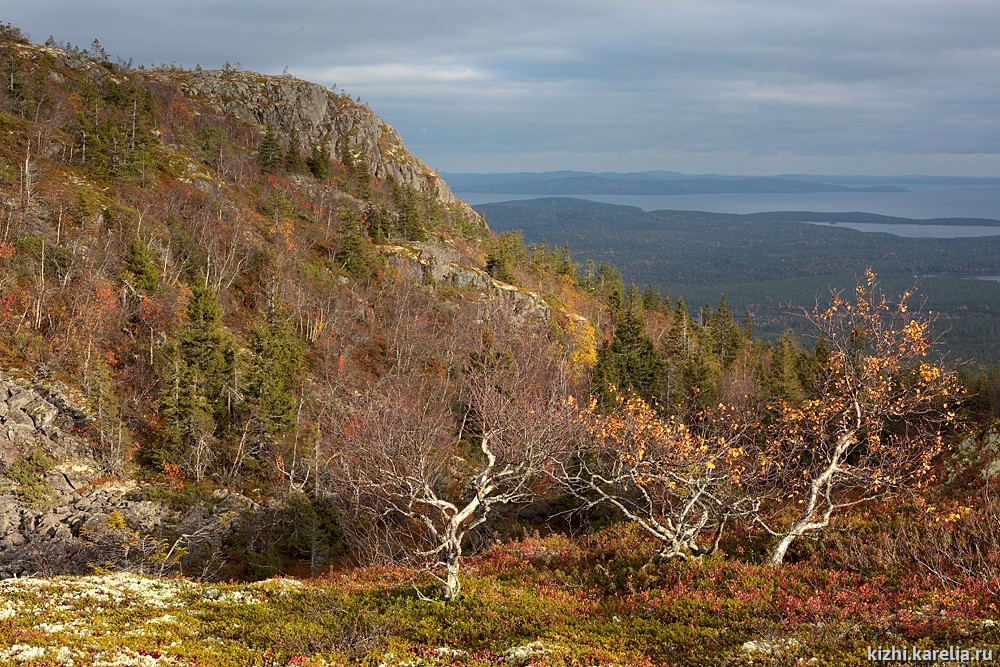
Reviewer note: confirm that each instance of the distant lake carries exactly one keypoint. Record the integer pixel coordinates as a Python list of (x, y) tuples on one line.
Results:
[(918, 231), (920, 202), (967, 276)]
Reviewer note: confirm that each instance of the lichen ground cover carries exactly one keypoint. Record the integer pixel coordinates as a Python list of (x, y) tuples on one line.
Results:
[(539, 601)]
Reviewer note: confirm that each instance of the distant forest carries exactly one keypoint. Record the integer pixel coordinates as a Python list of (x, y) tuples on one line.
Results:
[(771, 264)]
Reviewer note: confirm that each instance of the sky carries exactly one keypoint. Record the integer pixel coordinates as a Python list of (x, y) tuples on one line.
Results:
[(876, 87)]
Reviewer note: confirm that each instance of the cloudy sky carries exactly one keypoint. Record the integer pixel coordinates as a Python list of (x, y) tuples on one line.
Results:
[(723, 86)]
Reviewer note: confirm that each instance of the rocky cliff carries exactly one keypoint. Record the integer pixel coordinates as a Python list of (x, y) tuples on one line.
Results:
[(349, 130), (431, 264)]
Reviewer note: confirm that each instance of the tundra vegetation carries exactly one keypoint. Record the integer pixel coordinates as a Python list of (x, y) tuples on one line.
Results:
[(303, 317)]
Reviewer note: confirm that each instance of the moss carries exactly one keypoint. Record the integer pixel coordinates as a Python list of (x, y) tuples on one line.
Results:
[(28, 472)]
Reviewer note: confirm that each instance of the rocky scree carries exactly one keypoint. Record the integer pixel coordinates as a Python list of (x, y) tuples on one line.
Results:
[(61, 513)]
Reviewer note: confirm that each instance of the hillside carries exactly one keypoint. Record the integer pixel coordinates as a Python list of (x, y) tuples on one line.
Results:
[(213, 270), (247, 337)]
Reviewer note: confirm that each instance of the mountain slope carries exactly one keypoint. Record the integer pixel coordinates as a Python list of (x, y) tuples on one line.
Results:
[(224, 266)]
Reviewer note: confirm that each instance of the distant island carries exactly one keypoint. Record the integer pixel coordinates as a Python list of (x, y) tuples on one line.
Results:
[(643, 183)]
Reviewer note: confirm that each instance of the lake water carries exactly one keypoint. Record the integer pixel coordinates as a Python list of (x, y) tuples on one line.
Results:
[(918, 231), (967, 276), (920, 202)]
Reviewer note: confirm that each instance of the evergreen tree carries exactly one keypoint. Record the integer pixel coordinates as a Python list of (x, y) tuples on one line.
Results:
[(318, 162), (747, 325), (272, 365), (354, 254), (410, 224), (814, 367), (207, 349), (586, 280), (727, 339), (380, 224), (611, 287), (498, 261), (683, 328), (189, 426), (565, 266), (293, 162), (783, 379), (200, 399), (140, 271), (269, 153), (701, 374), (629, 361), (650, 299)]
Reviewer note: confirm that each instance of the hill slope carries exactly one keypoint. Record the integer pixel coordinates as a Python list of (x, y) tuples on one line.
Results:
[(222, 266)]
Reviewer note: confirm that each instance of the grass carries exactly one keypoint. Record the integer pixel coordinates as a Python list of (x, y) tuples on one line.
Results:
[(539, 601)]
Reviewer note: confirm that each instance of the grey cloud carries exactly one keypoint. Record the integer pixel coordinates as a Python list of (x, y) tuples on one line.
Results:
[(698, 85)]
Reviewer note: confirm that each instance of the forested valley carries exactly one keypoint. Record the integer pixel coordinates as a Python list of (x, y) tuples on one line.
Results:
[(774, 264)]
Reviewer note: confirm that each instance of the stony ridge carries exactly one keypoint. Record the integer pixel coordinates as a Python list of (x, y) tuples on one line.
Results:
[(430, 263), (320, 117)]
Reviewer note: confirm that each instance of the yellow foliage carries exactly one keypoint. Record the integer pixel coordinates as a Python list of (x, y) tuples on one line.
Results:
[(582, 346)]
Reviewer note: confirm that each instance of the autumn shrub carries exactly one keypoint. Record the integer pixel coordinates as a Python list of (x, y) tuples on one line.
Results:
[(954, 543)]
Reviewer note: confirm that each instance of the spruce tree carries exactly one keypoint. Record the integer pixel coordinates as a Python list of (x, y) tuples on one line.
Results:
[(139, 268), (273, 364), (198, 403), (293, 162), (784, 379), (269, 152), (354, 254), (207, 349), (188, 421), (629, 361), (318, 162)]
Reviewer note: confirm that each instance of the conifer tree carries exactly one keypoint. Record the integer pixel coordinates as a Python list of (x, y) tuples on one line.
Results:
[(293, 162), (202, 393), (410, 224), (727, 339), (269, 152), (783, 378), (272, 368), (140, 271), (629, 361), (189, 426), (354, 254), (318, 162), (498, 261)]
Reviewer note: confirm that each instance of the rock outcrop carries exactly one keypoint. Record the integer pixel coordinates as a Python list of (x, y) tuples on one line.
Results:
[(60, 512), (33, 415), (350, 131), (429, 263)]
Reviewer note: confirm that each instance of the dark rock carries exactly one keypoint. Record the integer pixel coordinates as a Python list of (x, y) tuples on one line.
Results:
[(20, 399), (18, 420)]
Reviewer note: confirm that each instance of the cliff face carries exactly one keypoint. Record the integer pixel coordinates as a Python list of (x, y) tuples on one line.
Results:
[(349, 130)]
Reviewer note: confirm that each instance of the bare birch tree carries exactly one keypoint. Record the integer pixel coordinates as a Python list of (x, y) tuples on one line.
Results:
[(428, 474), (680, 480)]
